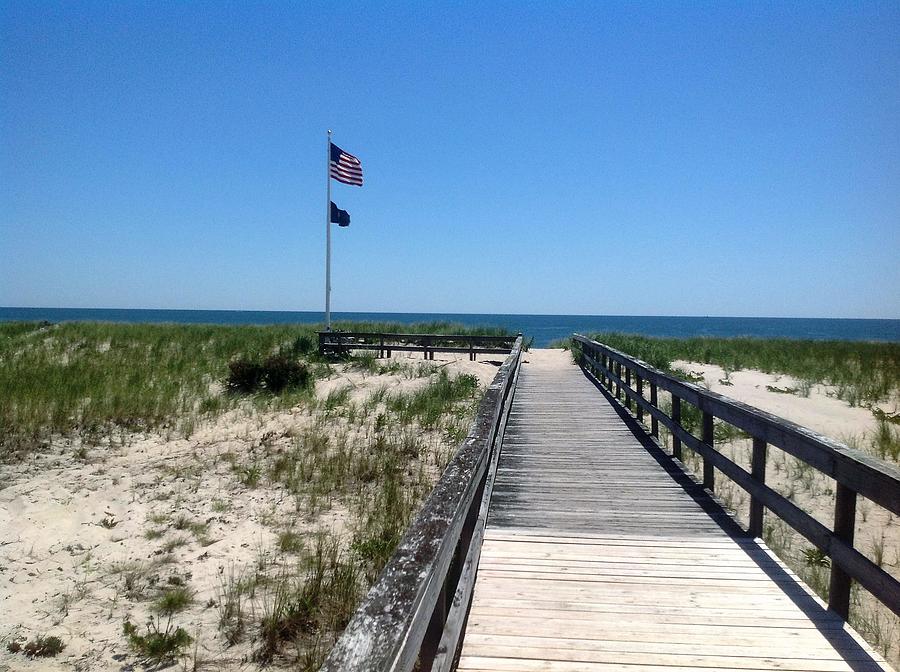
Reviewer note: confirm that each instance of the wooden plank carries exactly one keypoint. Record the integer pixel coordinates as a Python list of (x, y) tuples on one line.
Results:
[(724, 657), (513, 643), (486, 664)]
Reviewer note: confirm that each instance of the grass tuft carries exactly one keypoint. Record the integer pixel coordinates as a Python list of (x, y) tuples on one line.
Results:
[(173, 600), (156, 644)]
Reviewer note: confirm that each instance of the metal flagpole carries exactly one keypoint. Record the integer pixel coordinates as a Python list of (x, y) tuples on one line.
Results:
[(328, 235)]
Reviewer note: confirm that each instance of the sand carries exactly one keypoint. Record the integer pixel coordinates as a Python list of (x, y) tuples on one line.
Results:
[(75, 558), (821, 411)]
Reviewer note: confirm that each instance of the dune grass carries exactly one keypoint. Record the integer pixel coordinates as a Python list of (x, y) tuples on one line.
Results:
[(862, 373), (92, 379), (88, 378), (436, 327)]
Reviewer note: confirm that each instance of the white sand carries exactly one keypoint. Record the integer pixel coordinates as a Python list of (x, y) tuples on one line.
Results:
[(821, 411), (61, 569)]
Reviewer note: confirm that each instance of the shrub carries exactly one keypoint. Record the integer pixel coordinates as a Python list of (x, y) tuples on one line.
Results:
[(280, 373), (276, 374), (244, 376)]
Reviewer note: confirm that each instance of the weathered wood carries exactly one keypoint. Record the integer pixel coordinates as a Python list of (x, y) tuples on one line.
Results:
[(388, 628), (844, 524), (654, 423), (640, 393), (758, 473), (628, 387), (676, 419), (448, 649), (341, 342), (618, 378), (709, 474)]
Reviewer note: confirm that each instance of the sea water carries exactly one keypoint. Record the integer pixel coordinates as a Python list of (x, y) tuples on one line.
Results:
[(543, 328)]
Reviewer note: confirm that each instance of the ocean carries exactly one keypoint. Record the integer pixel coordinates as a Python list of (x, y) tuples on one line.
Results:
[(543, 328)]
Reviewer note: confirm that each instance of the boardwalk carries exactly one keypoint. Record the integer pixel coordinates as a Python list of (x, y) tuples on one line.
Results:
[(599, 556)]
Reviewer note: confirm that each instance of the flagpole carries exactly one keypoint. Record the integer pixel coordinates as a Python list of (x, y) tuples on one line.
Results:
[(328, 234)]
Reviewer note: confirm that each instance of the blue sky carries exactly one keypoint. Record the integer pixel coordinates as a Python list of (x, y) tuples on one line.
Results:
[(697, 158)]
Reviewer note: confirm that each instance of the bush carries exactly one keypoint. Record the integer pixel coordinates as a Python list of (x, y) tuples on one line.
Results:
[(276, 374), (244, 376), (280, 373)]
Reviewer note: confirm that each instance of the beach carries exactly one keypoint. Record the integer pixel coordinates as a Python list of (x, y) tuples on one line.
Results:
[(203, 529)]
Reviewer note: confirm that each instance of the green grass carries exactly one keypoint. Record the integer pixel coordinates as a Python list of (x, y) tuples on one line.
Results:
[(320, 600), (428, 404), (95, 380), (863, 373), (173, 599), (157, 644), (437, 327), (87, 378)]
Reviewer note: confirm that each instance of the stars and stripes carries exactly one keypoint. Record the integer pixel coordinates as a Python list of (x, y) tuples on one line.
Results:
[(345, 167)]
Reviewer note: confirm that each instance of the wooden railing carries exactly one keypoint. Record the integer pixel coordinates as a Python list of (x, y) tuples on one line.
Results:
[(343, 342), (854, 472), (415, 613)]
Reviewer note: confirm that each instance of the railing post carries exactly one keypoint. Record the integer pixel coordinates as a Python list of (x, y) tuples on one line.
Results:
[(627, 385), (844, 523), (676, 418), (640, 391), (435, 629), (654, 423), (758, 472), (619, 376), (709, 475)]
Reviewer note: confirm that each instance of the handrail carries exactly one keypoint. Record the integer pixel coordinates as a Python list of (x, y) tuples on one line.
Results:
[(384, 343), (854, 472), (406, 613), (413, 337)]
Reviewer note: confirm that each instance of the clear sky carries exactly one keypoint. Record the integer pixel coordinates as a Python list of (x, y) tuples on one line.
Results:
[(696, 158)]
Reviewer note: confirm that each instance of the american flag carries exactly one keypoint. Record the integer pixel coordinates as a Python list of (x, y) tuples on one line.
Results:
[(345, 167)]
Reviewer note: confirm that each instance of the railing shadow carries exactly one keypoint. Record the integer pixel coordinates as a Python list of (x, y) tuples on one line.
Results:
[(852, 652)]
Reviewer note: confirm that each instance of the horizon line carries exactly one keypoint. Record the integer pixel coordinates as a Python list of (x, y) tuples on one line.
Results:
[(406, 312)]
